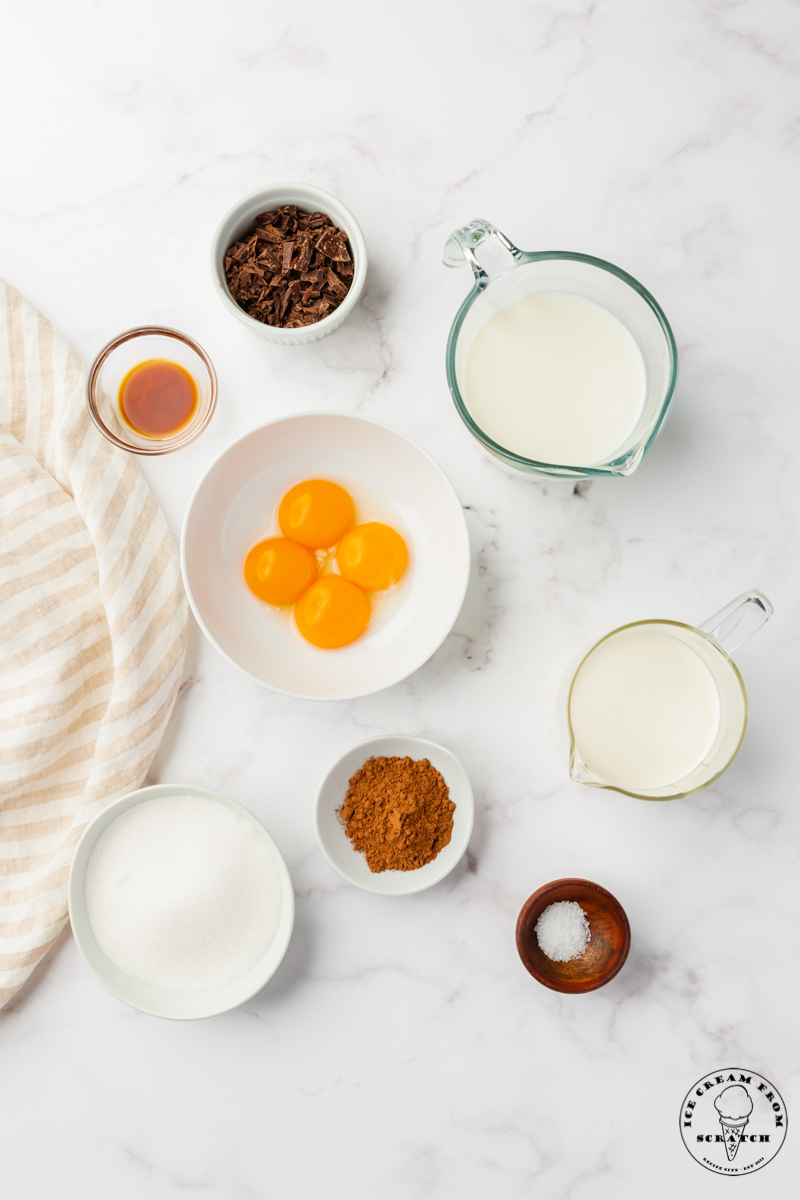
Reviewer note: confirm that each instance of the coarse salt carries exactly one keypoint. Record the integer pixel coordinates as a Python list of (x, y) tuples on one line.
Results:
[(183, 893), (563, 932)]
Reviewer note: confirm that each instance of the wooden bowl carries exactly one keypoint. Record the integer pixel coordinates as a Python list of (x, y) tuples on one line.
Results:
[(606, 952)]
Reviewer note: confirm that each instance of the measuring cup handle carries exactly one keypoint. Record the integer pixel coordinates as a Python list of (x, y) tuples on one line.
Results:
[(463, 242), (733, 625)]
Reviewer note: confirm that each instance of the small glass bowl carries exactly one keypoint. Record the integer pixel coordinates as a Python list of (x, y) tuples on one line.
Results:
[(126, 352)]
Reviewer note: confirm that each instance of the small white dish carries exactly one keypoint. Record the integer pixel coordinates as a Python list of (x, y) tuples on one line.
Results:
[(350, 863), (164, 1002), (239, 219), (233, 507)]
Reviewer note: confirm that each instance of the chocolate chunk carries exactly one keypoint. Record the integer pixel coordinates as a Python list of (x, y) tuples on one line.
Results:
[(271, 258), (333, 244), (287, 218), (292, 291), (291, 270), (298, 319), (335, 284), (303, 255)]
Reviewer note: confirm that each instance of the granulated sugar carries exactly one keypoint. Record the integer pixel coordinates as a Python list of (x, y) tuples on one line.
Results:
[(183, 893), (562, 931)]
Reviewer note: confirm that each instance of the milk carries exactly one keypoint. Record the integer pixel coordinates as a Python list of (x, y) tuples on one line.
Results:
[(644, 710), (556, 378)]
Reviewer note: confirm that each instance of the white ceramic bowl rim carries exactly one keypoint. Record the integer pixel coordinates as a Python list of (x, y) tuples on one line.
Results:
[(301, 194), (400, 883), (161, 1002), (406, 670)]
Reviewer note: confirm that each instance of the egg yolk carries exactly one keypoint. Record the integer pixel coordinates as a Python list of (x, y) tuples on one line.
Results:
[(332, 613), (373, 555), (316, 513), (279, 571)]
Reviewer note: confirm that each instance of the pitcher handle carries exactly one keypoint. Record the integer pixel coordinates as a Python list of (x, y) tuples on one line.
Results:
[(733, 625), (463, 242)]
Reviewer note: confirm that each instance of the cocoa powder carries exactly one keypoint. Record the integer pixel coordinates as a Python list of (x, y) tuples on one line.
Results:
[(398, 813)]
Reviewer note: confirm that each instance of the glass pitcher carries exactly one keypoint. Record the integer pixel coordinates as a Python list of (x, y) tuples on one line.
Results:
[(526, 273), (713, 642)]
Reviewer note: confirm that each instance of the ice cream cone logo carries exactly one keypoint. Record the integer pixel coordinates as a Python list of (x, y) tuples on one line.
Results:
[(733, 1122), (734, 1106)]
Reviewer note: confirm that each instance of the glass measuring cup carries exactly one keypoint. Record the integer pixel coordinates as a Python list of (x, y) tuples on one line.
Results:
[(527, 273), (713, 642)]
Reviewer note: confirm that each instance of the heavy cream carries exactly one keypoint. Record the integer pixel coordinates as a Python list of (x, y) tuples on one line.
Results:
[(556, 378), (644, 710)]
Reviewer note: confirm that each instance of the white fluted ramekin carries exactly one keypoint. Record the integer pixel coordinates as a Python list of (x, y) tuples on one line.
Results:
[(239, 219)]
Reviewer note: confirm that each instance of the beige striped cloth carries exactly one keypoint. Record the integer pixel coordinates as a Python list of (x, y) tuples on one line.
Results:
[(93, 623)]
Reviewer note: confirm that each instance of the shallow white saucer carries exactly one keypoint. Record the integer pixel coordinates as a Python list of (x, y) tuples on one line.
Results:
[(350, 863), (392, 480), (164, 1002)]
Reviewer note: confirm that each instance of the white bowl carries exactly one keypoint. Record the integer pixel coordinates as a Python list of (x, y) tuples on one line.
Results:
[(233, 507), (164, 1002), (350, 863), (239, 219)]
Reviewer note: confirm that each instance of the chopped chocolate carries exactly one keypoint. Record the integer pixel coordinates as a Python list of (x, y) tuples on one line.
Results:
[(335, 284), (320, 309), (291, 270), (272, 259), (290, 295), (333, 244), (303, 256)]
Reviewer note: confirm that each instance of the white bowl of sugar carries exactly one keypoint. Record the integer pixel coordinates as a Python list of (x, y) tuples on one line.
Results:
[(180, 901)]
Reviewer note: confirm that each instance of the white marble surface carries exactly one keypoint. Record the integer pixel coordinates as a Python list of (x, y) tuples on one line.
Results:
[(401, 1051)]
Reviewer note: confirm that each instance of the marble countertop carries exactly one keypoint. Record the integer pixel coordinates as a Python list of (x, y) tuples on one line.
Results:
[(401, 1051)]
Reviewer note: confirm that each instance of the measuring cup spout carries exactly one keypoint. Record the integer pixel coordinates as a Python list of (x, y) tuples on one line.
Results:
[(580, 773), (733, 625)]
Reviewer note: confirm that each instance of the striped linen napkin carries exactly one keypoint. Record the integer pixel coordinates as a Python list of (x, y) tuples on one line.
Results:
[(93, 622)]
